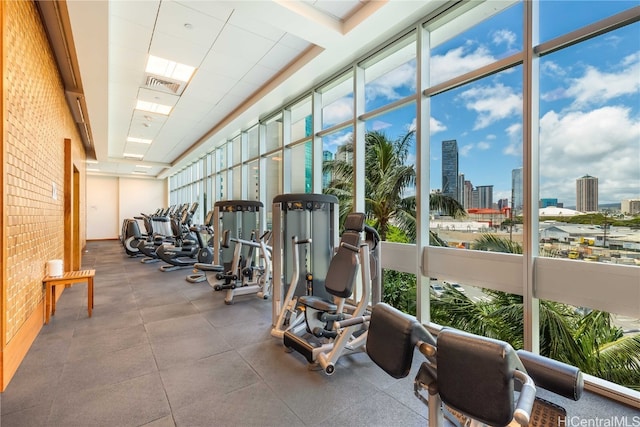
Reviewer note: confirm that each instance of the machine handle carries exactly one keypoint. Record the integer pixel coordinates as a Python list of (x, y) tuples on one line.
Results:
[(522, 413)]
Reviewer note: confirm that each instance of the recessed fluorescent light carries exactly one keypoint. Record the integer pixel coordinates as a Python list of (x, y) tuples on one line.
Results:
[(144, 166), (152, 107), (167, 68), (93, 170), (140, 140), (139, 172), (133, 156)]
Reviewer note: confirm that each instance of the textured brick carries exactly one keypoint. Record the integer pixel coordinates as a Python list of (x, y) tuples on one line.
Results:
[(36, 122)]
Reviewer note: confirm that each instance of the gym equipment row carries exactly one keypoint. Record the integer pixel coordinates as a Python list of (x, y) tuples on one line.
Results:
[(326, 304)]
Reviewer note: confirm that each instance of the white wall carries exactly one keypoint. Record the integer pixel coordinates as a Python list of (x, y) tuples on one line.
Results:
[(111, 199)]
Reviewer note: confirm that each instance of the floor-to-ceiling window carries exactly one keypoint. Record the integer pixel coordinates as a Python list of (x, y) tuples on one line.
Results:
[(533, 117)]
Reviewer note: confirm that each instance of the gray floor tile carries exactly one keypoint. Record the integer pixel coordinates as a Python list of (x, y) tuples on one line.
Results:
[(254, 405), (130, 403), (214, 376), (159, 351), (108, 368), (106, 341), (378, 410)]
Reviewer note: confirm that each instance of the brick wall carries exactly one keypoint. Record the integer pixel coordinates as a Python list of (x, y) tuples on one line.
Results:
[(36, 122)]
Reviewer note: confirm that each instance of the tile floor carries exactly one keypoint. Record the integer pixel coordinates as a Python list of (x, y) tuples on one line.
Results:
[(160, 351)]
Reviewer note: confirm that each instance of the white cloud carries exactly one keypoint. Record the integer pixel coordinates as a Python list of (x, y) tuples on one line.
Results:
[(436, 126), (482, 145), (457, 62), (596, 87), (379, 125), (333, 141), (602, 142), (504, 37), (514, 147), (338, 111), (465, 150), (492, 103), (386, 85)]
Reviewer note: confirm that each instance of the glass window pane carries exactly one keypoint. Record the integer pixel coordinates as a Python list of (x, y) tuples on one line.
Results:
[(301, 164), (222, 157), (253, 180), (479, 37), (560, 17), (391, 75), (253, 145), (236, 149), (273, 184), (337, 157), (237, 182), (589, 122), (390, 158), (476, 144), (301, 121), (274, 134), (337, 101)]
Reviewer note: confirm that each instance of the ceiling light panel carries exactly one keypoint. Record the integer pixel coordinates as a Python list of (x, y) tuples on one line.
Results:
[(170, 69), (139, 140), (152, 107)]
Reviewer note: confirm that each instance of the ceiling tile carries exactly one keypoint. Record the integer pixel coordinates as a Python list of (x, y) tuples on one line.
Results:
[(187, 24), (234, 41), (177, 49), (218, 9)]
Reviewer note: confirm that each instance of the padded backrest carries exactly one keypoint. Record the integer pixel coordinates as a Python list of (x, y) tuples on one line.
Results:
[(475, 375), (391, 339), (343, 267)]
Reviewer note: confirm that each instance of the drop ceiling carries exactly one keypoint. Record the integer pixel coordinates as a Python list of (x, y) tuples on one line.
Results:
[(250, 57)]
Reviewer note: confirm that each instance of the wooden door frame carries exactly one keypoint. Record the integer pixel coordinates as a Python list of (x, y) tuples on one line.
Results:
[(72, 250)]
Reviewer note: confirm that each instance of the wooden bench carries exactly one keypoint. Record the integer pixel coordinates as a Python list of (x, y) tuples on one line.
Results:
[(68, 279)]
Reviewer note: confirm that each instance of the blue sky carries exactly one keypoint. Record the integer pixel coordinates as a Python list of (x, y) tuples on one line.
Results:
[(589, 104)]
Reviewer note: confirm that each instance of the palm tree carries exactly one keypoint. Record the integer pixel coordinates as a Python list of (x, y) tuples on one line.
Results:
[(588, 341), (387, 178)]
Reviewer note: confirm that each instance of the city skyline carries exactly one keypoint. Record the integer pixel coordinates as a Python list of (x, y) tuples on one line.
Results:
[(589, 108)]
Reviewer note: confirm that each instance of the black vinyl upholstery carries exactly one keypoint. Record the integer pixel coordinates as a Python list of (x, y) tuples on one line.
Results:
[(557, 377), (392, 338), (475, 376)]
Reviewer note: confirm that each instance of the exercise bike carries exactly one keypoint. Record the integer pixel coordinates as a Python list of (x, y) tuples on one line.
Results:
[(467, 379)]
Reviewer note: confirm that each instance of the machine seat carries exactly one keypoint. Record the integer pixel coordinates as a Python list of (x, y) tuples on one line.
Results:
[(318, 303)]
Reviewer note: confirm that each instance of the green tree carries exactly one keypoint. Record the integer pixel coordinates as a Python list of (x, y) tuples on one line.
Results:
[(589, 341), (387, 177)]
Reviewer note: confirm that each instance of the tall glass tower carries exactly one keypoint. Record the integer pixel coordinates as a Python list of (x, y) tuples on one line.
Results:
[(517, 202), (450, 169), (587, 194)]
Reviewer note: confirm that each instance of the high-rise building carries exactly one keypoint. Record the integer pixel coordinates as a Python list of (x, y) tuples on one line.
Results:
[(485, 196), (587, 194), (630, 206), (468, 195), (517, 201), (545, 203), (450, 169), (326, 176)]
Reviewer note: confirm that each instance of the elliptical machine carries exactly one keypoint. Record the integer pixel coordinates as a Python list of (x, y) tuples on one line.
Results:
[(189, 241)]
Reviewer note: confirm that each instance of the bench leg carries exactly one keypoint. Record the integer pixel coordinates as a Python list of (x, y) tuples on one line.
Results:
[(90, 295), (47, 303)]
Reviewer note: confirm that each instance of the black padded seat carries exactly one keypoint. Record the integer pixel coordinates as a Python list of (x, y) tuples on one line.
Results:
[(392, 338), (318, 303), (471, 365)]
